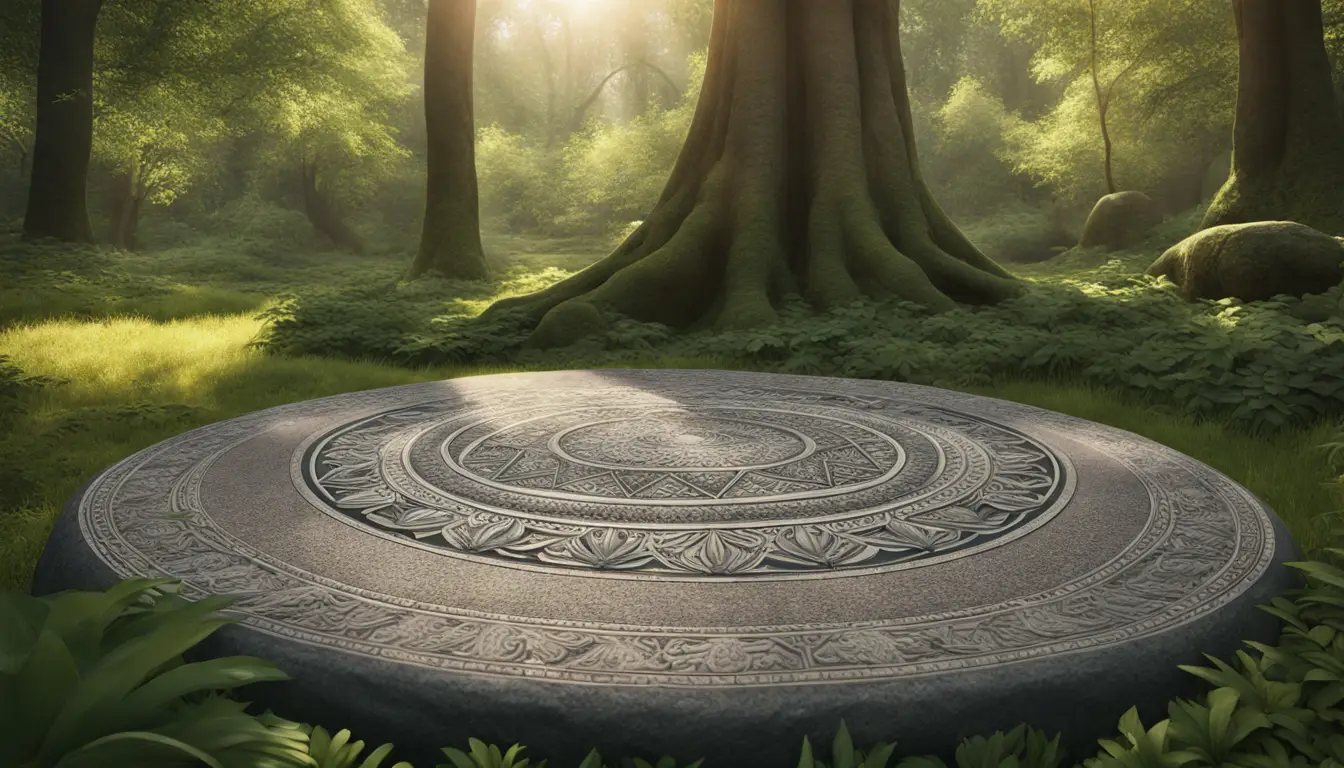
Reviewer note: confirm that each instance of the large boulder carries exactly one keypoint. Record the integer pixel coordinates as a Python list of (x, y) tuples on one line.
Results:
[(1253, 262), (1120, 220)]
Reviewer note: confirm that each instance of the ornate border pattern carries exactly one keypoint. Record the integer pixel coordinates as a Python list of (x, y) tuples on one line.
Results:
[(1208, 540)]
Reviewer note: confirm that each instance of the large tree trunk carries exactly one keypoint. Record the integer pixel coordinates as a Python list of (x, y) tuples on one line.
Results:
[(64, 133), (1288, 149), (323, 215), (127, 197), (451, 240), (799, 174)]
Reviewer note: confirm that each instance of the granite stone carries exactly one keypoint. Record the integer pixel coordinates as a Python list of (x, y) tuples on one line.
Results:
[(698, 563)]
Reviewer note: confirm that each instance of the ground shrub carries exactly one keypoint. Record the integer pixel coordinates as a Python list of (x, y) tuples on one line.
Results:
[(1020, 234), (1259, 365)]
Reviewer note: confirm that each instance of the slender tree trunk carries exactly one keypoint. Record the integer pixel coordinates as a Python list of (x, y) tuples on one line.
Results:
[(63, 141), (127, 198), (323, 215), (1103, 102), (799, 174), (450, 243), (1288, 144)]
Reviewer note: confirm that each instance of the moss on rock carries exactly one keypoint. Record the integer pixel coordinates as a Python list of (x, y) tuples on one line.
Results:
[(1253, 262), (1120, 220)]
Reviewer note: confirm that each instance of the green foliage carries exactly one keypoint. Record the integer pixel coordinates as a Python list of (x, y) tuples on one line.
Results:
[(338, 751), (602, 178), (98, 679), (425, 322), (1019, 234), (594, 760), (969, 143), (614, 173), (1167, 72), (1259, 365), (516, 179), (179, 84), (482, 756), (844, 755)]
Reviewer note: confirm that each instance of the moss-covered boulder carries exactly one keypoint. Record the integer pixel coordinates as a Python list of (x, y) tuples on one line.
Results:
[(1120, 220), (1253, 262)]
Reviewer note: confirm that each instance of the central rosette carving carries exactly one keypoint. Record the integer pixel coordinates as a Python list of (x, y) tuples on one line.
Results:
[(680, 440)]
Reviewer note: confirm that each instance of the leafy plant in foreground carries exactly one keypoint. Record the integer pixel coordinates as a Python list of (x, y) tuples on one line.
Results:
[(483, 756), (844, 755), (337, 751), (93, 679)]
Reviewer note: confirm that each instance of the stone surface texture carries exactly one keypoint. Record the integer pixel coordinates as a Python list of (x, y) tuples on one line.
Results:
[(1253, 262), (700, 563), (1120, 220)]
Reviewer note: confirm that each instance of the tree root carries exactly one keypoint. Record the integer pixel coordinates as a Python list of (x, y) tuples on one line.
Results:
[(799, 174)]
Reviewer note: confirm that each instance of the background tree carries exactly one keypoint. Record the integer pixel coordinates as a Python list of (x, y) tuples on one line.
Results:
[(799, 173), (311, 80), (450, 242), (19, 25), (63, 134), (1288, 153), (1165, 72)]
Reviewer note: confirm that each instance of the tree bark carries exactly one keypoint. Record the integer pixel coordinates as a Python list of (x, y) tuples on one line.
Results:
[(1288, 144), (322, 213), (1103, 103), (127, 197), (799, 174), (63, 141), (450, 243)]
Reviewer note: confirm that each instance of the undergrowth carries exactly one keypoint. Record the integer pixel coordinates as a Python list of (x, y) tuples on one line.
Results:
[(1258, 365)]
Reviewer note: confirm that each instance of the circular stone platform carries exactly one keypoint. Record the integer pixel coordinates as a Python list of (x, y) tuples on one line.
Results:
[(700, 563)]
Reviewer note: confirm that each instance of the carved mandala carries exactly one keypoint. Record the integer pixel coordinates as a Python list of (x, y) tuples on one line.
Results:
[(678, 483), (688, 482)]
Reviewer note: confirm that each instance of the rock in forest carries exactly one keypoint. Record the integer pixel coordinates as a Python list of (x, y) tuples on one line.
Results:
[(1120, 220), (1253, 262)]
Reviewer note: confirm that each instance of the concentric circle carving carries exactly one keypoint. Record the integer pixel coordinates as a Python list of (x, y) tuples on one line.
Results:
[(677, 441), (971, 470), (637, 483)]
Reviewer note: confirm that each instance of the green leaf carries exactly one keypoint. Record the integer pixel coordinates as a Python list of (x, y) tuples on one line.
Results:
[(91, 749), (213, 675), (842, 749), (804, 759), (878, 756), (460, 759), (43, 685), (93, 703), (21, 620)]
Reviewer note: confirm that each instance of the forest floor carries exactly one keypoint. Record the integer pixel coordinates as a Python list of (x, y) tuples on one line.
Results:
[(109, 352)]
